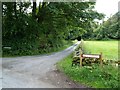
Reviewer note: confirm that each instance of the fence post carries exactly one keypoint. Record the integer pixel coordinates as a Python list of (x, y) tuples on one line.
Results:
[(101, 63), (81, 59)]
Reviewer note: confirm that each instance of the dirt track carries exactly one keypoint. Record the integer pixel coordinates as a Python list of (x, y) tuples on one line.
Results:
[(36, 71)]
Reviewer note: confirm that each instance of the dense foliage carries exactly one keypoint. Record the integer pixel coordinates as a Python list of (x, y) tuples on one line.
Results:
[(109, 29), (46, 26)]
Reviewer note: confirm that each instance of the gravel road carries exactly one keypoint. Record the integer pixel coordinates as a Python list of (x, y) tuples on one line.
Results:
[(35, 71)]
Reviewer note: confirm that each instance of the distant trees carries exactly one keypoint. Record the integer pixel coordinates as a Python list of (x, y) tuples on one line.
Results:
[(46, 26), (110, 28)]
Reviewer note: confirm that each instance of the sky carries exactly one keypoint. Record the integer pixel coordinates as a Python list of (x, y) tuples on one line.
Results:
[(108, 7)]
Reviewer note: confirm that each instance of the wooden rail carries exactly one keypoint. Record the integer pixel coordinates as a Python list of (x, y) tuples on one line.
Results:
[(99, 56)]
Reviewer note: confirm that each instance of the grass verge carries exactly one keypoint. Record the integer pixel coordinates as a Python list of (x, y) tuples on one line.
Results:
[(108, 48), (95, 76)]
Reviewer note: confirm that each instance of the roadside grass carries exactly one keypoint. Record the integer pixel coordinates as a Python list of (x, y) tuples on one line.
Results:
[(95, 77), (109, 49)]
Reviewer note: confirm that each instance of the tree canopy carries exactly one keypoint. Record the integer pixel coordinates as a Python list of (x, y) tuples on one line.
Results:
[(110, 28), (46, 26)]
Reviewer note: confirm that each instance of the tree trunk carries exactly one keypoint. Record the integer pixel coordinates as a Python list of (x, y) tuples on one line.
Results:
[(41, 12), (34, 9), (15, 10)]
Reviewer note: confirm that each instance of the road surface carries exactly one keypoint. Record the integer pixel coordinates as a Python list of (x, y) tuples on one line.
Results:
[(36, 71)]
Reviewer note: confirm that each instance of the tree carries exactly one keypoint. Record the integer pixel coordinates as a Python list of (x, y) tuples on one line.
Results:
[(47, 26), (110, 28)]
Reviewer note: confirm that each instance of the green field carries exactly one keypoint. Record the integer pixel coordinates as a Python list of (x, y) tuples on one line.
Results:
[(109, 49), (96, 77)]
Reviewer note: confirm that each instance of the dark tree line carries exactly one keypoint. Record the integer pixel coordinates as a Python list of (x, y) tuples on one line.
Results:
[(45, 27)]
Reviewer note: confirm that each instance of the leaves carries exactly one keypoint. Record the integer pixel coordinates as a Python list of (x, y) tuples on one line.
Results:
[(45, 26), (109, 29)]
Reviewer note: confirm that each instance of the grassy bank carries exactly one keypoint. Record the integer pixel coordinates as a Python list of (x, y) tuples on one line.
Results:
[(108, 48), (106, 77)]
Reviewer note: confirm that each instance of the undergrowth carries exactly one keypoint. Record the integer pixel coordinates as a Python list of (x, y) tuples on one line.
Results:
[(24, 51)]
